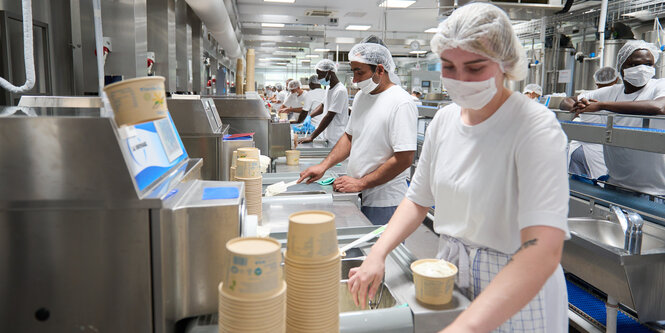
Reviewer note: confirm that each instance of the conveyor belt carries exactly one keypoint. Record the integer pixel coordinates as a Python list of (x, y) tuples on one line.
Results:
[(592, 307), (580, 189)]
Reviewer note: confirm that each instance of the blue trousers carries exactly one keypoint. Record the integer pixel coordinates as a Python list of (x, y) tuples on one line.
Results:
[(378, 215)]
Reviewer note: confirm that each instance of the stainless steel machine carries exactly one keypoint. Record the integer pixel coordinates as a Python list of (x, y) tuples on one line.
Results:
[(106, 229), (245, 115), (201, 131)]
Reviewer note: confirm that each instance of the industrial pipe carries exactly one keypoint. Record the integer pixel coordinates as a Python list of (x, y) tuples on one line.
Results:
[(612, 306), (28, 55), (214, 15), (601, 31)]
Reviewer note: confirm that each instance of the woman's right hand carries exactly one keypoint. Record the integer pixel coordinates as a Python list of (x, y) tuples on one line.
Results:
[(368, 276)]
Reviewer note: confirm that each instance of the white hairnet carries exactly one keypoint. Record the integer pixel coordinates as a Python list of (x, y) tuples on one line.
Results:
[(326, 65), (375, 54), (294, 84), (278, 86), (632, 46), (313, 79), (486, 30), (417, 90), (605, 75), (533, 88)]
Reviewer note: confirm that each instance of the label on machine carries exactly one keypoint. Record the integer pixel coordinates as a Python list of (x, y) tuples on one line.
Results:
[(154, 149)]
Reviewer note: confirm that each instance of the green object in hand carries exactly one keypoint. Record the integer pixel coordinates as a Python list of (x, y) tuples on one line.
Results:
[(326, 181)]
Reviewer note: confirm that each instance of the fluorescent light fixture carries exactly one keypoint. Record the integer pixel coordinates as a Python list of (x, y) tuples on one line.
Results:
[(272, 25), (267, 43), (431, 30), (321, 50), (312, 56), (305, 60), (345, 40), (397, 3), (418, 52), (358, 27), (281, 1)]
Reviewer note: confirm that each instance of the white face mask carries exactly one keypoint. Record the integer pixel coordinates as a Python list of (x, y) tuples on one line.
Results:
[(638, 76), (368, 85), (470, 95)]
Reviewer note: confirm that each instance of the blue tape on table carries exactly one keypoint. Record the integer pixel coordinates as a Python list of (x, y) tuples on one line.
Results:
[(216, 193)]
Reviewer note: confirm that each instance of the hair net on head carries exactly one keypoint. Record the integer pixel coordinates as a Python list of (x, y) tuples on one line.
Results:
[(326, 65), (605, 75), (373, 53), (294, 84), (313, 79), (278, 86), (417, 90), (486, 30), (533, 88), (632, 46)]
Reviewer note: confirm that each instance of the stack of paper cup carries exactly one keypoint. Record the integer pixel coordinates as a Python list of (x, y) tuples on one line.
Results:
[(249, 152), (248, 168), (313, 269), (249, 172), (283, 116), (232, 170), (292, 157), (252, 295)]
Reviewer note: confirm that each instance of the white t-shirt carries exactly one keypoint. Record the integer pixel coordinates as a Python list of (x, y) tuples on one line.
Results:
[(336, 101), (593, 152), (493, 179), (313, 99), (638, 170), (381, 125), (417, 100), (295, 101), (281, 97)]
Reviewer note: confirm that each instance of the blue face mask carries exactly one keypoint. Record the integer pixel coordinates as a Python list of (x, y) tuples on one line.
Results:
[(325, 82)]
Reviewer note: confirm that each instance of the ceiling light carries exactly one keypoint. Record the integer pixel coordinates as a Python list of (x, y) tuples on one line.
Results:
[(345, 40), (431, 30), (281, 1), (267, 43), (305, 60), (272, 25), (359, 27), (312, 56), (397, 3), (321, 50), (418, 52)]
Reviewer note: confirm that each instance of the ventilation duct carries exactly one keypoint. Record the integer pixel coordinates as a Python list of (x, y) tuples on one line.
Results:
[(214, 15)]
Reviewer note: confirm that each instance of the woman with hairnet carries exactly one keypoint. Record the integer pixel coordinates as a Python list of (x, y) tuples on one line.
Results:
[(494, 165), (380, 139), (640, 94), (533, 91), (335, 105)]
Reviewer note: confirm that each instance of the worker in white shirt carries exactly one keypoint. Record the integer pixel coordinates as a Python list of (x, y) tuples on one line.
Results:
[(415, 94), (533, 91), (313, 99), (494, 165), (381, 137), (640, 94), (587, 159), (279, 97), (295, 101), (335, 105)]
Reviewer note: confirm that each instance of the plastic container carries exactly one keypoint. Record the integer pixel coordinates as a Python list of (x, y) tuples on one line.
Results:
[(292, 157), (137, 100), (433, 290), (253, 267)]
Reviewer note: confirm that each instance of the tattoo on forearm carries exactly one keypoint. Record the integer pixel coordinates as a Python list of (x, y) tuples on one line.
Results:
[(526, 244)]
